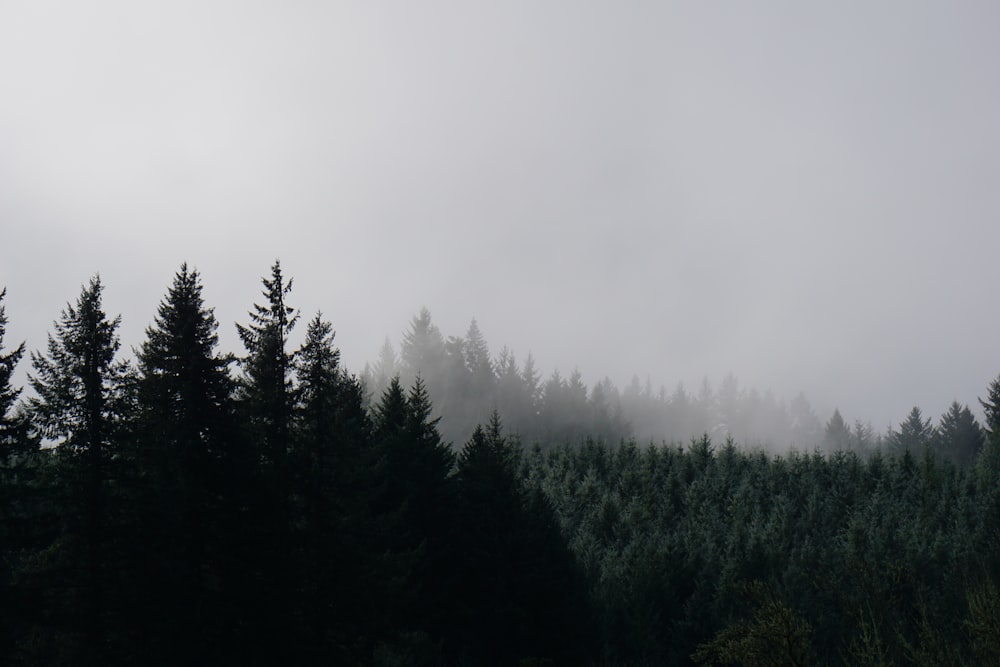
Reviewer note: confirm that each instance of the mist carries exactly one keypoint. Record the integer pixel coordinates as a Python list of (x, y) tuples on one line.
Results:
[(804, 198)]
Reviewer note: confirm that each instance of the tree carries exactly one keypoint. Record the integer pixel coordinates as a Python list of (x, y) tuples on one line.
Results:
[(991, 407), (13, 427), (411, 506), (376, 378), (422, 350), (959, 437), (265, 397), (186, 438), (83, 396), (519, 596), (184, 386), (266, 387), (915, 434), (838, 433), (330, 491), (80, 389), (477, 359)]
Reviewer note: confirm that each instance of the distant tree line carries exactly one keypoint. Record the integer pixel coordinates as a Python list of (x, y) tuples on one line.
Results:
[(468, 384), (191, 506)]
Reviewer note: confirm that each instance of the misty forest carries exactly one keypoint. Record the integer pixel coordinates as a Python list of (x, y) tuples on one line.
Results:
[(448, 505)]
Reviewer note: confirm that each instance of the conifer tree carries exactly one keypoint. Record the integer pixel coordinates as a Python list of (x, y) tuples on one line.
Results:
[(412, 504), (838, 433), (266, 400), (186, 443), (83, 396), (331, 487), (991, 407), (265, 388), (959, 437), (81, 390), (915, 434), (518, 594), (184, 385), (422, 353), (13, 426)]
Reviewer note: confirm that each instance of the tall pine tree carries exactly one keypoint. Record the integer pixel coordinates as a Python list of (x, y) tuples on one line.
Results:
[(186, 445), (83, 397)]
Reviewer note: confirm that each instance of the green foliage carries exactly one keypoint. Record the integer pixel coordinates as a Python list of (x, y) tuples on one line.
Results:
[(183, 518), (775, 636), (13, 427)]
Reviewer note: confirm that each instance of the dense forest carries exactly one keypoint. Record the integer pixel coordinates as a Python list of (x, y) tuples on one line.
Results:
[(187, 505)]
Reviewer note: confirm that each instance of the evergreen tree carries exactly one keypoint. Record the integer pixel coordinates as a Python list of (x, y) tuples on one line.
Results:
[(915, 434), (422, 351), (330, 488), (838, 433), (477, 359), (83, 396), (265, 396), (519, 595), (266, 386), (19, 502), (376, 378), (13, 425), (184, 385), (186, 439), (959, 437), (991, 407), (412, 506)]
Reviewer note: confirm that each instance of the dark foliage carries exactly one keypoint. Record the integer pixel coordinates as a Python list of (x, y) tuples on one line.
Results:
[(176, 515)]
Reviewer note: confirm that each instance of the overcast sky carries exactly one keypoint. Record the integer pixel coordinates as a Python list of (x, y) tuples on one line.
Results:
[(805, 194)]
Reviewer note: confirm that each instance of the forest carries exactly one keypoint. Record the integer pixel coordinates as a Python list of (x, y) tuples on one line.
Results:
[(445, 506)]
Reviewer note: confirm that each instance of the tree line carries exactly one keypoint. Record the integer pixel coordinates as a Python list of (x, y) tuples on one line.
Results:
[(192, 506), (467, 383)]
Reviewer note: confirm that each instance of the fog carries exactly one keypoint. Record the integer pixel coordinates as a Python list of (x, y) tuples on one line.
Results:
[(805, 197)]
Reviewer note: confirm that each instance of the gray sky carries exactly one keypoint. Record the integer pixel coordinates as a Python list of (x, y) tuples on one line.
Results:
[(806, 195)]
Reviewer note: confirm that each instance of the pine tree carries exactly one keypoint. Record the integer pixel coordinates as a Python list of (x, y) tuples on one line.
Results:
[(518, 594), (422, 353), (265, 397), (915, 434), (477, 360), (991, 407), (959, 437), (331, 488), (81, 391), (83, 397), (13, 427), (412, 505), (265, 389), (838, 433), (186, 442), (184, 385)]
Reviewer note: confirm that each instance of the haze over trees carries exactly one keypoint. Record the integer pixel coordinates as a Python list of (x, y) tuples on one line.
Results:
[(451, 506)]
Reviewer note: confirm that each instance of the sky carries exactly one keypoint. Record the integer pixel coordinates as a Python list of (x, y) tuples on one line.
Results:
[(805, 195)]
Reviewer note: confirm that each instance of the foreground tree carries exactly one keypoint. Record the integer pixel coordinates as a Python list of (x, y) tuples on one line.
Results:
[(13, 426), (518, 594), (330, 490), (186, 440), (265, 395), (83, 398)]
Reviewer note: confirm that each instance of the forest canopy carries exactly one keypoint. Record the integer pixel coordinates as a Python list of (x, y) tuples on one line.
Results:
[(189, 505)]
